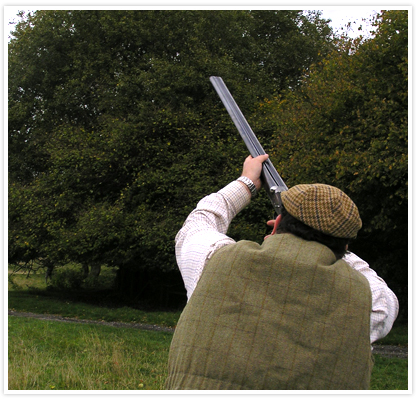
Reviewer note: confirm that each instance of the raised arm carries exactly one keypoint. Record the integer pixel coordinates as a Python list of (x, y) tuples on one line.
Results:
[(204, 231)]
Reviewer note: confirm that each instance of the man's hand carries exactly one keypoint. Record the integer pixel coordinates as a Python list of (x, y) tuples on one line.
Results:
[(273, 223), (252, 168)]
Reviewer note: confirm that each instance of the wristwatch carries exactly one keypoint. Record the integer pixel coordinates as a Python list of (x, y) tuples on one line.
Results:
[(249, 184)]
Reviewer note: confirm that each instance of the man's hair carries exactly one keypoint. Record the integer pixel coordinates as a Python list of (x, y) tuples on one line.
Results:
[(289, 224)]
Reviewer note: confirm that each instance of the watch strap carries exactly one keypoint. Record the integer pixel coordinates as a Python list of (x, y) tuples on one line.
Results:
[(249, 183)]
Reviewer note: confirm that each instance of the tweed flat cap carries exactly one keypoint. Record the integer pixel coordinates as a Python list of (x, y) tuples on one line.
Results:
[(324, 208)]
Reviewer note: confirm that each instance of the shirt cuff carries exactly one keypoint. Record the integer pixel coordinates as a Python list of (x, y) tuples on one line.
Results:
[(237, 194)]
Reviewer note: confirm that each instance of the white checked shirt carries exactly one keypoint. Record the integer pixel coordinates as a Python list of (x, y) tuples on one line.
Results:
[(204, 232)]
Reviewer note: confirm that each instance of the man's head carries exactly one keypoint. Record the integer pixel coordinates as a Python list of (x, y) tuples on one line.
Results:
[(324, 208), (321, 213)]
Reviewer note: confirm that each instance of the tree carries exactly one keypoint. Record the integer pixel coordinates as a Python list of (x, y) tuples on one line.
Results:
[(115, 132), (347, 126)]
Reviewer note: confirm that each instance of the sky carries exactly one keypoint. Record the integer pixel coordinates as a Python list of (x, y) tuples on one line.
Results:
[(341, 15)]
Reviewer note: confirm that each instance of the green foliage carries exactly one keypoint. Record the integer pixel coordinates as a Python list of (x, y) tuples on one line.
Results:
[(104, 281), (67, 279), (12, 282), (115, 131), (347, 126)]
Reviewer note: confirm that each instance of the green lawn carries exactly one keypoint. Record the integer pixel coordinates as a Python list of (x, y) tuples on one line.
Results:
[(47, 355), (389, 374)]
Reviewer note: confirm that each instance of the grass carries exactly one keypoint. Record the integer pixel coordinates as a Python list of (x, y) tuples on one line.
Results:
[(48, 355), (45, 355), (389, 374)]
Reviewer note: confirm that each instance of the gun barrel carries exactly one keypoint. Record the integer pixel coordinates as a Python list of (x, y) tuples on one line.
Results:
[(271, 179)]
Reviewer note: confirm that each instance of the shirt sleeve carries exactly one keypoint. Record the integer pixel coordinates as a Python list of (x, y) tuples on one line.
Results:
[(204, 231), (385, 305)]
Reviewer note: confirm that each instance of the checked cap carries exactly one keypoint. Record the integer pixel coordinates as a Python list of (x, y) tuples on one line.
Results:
[(324, 208)]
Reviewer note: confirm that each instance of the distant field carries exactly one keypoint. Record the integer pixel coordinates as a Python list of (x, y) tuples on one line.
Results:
[(30, 294)]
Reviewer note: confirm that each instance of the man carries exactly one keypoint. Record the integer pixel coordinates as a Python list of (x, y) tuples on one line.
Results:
[(295, 313)]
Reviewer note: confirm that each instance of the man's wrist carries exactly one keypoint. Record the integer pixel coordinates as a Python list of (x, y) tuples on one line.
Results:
[(249, 184)]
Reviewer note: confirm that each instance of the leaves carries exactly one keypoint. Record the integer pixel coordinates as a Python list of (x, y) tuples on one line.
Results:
[(347, 126), (115, 131)]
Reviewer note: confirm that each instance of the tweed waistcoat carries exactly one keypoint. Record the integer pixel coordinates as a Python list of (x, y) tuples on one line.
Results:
[(284, 315)]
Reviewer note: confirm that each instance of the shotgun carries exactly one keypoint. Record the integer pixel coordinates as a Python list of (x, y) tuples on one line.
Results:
[(271, 180)]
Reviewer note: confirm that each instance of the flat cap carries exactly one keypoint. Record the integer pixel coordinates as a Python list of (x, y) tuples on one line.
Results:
[(324, 208)]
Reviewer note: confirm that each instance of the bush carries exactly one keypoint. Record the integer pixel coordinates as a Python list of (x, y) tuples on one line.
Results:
[(105, 280), (66, 279)]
